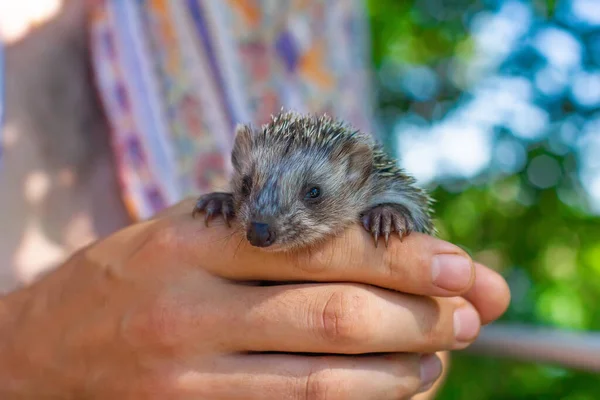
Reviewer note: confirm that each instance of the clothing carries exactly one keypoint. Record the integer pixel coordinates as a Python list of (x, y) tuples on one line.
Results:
[(176, 76)]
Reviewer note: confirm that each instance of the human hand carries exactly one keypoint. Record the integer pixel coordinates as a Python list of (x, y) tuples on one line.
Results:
[(163, 309)]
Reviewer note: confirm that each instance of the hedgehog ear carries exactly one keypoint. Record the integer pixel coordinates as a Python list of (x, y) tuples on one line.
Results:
[(359, 161), (242, 145)]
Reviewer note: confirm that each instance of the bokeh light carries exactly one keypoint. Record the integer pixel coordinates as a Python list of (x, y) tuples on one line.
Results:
[(494, 105)]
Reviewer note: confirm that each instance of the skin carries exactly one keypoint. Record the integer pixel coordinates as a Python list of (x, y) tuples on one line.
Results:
[(166, 309)]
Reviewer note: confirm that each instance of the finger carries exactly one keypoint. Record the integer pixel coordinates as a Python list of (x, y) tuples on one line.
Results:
[(279, 376), (430, 392), (490, 294), (306, 318), (347, 319), (419, 264), (487, 290)]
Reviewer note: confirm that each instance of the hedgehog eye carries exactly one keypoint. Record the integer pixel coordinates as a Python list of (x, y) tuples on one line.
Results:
[(313, 193), (246, 186)]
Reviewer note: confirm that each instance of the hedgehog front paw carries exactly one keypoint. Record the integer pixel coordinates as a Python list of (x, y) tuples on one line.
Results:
[(215, 203), (385, 219)]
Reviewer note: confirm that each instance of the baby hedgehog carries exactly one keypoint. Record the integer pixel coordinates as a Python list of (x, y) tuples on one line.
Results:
[(301, 178)]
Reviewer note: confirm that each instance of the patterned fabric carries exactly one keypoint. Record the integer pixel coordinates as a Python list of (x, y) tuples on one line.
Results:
[(176, 76)]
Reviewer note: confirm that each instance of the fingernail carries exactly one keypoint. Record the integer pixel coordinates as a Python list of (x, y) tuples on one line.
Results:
[(451, 271), (466, 324), (431, 369)]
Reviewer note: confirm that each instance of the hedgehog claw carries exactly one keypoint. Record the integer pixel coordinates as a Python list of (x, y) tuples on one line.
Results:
[(386, 226), (199, 206), (366, 221), (376, 223), (207, 217), (215, 203), (227, 221), (226, 211), (385, 219)]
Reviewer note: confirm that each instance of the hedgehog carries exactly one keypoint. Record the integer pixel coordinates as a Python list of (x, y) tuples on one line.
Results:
[(301, 178)]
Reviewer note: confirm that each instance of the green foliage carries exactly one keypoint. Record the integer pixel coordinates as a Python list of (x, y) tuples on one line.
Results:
[(550, 255), (401, 33), (477, 378), (542, 238)]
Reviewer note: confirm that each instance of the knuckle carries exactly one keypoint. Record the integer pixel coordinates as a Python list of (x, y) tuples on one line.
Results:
[(323, 257), (167, 240), (324, 384), (313, 260), (163, 236), (343, 318)]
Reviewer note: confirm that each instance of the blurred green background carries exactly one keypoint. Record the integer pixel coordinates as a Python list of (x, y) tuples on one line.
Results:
[(516, 86)]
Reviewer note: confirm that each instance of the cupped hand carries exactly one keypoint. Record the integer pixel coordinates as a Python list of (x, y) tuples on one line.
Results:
[(166, 309)]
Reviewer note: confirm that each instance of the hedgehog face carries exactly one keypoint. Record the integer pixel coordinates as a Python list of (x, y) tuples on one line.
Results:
[(288, 198)]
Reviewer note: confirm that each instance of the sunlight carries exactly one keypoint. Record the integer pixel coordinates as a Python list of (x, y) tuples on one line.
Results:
[(560, 47), (37, 185), (36, 253), (17, 18), (587, 11)]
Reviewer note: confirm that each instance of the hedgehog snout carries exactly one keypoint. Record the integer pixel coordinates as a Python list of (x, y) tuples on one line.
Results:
[(261, 234)]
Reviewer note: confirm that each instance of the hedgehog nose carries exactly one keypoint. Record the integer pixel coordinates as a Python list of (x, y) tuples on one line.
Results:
[(260, 234)]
